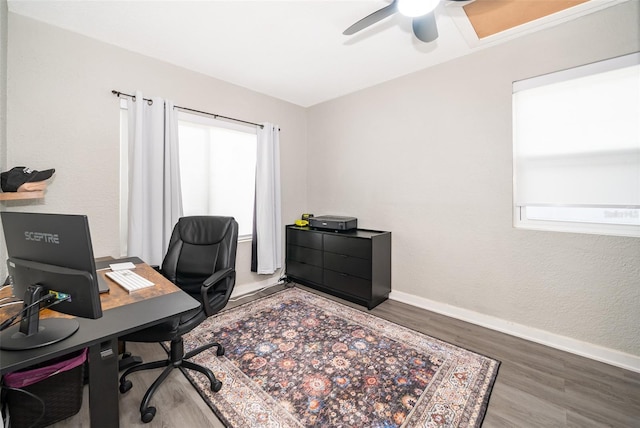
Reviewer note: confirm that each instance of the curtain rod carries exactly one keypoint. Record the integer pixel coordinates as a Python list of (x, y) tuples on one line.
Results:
[(215, 116), (133, 97)]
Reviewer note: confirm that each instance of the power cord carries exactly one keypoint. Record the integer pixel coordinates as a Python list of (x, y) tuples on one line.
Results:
[(60, 297), (34, 396), (282, 280), (235, 299), (10, 321)]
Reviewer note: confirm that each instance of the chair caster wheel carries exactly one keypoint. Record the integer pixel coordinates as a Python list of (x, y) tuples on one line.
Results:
[(216, 386), (220, 351), (125, 386), (148, 414)]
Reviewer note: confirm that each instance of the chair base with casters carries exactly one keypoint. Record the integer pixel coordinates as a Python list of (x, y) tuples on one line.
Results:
[(127, 359), (177, 359)]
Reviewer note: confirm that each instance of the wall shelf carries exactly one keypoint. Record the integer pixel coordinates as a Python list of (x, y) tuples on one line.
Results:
[(16, 196)]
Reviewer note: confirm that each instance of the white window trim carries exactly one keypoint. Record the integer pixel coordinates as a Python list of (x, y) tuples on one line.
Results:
[(522, 222), (201, 119), (208, 120), (520, 219)]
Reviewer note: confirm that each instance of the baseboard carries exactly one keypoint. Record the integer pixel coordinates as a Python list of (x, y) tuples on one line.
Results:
[(244, 289), (584, 349)]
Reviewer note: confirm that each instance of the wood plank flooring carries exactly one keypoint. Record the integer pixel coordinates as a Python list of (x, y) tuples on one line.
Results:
[(536, 386)]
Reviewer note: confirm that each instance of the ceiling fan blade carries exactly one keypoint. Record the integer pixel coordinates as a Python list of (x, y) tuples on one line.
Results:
[(425, 28), (368, 20)]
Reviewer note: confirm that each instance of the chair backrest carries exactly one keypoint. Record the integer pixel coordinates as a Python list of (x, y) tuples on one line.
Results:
[(199, 247)]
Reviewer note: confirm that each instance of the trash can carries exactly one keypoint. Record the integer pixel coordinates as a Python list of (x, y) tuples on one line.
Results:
[(47, 393)]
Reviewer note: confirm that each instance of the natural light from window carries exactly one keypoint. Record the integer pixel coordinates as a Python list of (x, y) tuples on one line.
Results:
[(217, 169), (577, 149)]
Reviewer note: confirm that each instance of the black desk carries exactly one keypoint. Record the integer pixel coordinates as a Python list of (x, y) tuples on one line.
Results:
[(122, 313)]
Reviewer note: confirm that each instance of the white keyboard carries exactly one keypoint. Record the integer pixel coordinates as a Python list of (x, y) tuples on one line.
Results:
[(128, 280)]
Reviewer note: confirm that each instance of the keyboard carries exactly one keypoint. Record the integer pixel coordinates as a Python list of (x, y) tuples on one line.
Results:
[(128, 280)]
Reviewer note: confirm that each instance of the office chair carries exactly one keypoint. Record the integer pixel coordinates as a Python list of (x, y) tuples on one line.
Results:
[(201, 260)]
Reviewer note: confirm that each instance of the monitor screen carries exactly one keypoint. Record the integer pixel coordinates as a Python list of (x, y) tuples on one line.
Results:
[(49, 253)]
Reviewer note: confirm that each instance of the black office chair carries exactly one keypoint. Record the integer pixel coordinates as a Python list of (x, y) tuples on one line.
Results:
[(201, 260)]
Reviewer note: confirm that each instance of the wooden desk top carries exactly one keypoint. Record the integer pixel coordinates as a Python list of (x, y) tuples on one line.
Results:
[(117, 296), (122, 313)]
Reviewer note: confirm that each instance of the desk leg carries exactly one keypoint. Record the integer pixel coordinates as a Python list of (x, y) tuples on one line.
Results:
[(103, 385)]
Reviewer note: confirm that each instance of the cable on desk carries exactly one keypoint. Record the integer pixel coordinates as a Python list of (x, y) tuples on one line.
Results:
[(15, 302), (13, 320), (10, 321)]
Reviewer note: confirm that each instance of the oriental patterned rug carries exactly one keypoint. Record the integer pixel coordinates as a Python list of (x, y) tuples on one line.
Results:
[(296, 359)]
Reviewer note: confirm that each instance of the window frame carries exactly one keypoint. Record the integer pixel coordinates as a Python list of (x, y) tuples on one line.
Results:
[(206, 120), (124, 164), (524, 219)]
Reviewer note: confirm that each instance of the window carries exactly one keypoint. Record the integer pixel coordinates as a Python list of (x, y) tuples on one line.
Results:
[(576, 136), (217, 169)]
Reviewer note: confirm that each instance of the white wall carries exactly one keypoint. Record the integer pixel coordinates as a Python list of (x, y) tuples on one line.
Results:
[(62, 115), (3, 114), (429, 157), (3, 83)]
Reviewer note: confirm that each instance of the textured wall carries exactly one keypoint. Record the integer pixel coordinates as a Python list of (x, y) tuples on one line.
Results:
[(3, 83), (62, 115), (429, 157), (3, 114)]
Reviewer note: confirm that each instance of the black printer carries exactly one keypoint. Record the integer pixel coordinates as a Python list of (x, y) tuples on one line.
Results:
[(333, 222)]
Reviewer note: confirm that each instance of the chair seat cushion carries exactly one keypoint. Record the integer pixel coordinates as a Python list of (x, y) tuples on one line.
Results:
[(169, 329)]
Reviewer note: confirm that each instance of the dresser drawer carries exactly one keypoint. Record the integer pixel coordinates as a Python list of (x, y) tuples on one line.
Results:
[(348, 284), (304, 238), (354, 265), (304, 255), (342, 263), (348, 245), (304, 271)]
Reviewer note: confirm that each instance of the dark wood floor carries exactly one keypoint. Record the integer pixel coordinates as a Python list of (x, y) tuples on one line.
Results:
[(536, 386)]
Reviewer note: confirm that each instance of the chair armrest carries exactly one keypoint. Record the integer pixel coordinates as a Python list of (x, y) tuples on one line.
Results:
[(210, 282)]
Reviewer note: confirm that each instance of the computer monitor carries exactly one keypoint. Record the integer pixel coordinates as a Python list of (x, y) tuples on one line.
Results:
[(49, 253)]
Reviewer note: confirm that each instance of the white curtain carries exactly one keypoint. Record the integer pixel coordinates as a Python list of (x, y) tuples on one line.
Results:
[(267, 239), (155, 203)]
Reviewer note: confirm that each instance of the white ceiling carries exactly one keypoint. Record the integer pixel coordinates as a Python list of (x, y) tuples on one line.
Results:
[(293, 50)]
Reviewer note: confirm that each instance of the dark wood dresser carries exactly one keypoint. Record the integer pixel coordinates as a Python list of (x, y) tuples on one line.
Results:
[(354, 265)]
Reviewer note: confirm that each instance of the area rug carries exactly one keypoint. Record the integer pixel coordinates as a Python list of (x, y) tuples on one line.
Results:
[(296, 359)]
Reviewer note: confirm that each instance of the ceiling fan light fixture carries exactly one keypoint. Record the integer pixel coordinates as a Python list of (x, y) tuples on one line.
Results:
[(415, 8)]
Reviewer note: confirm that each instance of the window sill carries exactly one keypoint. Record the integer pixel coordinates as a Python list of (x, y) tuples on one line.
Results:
[(584, 228)]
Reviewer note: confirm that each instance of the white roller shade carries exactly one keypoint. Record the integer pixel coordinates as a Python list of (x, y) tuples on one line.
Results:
[(577, 136)]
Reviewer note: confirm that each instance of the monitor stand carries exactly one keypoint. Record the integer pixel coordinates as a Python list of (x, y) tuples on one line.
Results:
[(32, 332)]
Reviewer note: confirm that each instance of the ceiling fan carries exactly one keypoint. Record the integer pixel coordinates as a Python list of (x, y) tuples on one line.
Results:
[(422, 12)]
